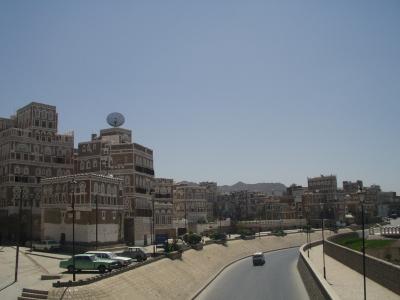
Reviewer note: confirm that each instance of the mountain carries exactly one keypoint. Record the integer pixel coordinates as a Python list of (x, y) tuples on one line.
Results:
[(268, 188)]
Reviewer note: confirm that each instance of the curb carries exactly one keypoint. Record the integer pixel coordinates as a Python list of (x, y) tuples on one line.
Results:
[(231, 263)]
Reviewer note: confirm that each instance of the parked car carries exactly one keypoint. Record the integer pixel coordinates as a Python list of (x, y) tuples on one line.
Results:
[(258, 259), (46, 245), (123, 261), (137, 253), (89, 262)]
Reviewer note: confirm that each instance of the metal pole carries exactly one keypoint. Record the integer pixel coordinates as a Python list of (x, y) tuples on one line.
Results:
[(31, 224), (73, 231), (308, 239), (187, 231), (153, 231), (18, 236), (97, 222), (323, 247), (363, 248)]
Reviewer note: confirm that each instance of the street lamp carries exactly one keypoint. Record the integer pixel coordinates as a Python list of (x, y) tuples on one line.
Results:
[(22, 194), (74, 183), (97, 222), (31, 196), (153, 227), (361, 197), (323, 237)]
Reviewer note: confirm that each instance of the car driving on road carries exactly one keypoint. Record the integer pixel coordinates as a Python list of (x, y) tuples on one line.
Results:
[(89, 262), (258, 259)]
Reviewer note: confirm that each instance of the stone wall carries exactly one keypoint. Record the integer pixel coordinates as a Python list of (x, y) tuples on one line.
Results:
[(380, 271), (316, 287)]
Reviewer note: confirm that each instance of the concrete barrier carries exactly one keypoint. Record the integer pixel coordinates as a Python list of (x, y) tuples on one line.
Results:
[(378, 270), (317, 287)]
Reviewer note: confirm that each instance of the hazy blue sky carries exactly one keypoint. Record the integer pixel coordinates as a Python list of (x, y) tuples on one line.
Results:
[(256, 91)]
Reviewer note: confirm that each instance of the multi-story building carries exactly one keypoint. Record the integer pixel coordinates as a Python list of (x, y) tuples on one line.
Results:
[(190, 204), (326, 185), (113, 152), (211, 197), (30, 149), (350, 187), (98, 204), (163, 208)]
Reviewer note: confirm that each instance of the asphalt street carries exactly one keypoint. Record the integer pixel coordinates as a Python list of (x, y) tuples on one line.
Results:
[(277, 279)]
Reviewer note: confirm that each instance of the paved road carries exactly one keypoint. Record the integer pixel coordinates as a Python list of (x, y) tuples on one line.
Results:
[(277, 279)]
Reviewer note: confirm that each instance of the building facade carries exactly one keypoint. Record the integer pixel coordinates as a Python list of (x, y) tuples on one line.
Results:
[(113, 152), (163, 208), (98, 203), (31, 149), (190, 204)]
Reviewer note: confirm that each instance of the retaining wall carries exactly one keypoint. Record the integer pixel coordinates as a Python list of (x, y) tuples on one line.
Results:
[(317, 287), (380, 271)]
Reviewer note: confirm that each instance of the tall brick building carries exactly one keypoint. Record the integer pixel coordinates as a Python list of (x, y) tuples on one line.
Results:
[(163, 207), (30, 149), (113, 152)]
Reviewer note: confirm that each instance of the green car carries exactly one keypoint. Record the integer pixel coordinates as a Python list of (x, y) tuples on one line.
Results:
[(89, 262)]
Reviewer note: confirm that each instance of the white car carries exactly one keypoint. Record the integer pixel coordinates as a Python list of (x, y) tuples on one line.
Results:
[(46, 245), (123, 261)]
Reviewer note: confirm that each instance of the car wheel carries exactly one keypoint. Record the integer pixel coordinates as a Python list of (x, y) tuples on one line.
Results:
[(101, 269), (70, 269)]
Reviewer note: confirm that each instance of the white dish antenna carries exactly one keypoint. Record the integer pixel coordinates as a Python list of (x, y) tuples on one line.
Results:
[(115, 119)]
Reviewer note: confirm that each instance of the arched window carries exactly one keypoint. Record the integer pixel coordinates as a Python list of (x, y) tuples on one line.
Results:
[(82, 165), (88, 165), (95, 188)]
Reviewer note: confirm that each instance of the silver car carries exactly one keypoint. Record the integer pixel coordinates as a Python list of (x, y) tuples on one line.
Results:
[(123, 261)]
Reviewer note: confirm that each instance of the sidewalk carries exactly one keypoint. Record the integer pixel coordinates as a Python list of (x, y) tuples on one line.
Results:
[(347, 283)]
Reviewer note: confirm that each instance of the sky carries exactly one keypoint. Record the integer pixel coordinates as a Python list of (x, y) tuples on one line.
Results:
[(256, 91)]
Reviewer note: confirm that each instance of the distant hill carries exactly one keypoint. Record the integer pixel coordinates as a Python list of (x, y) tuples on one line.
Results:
[(268, 188)]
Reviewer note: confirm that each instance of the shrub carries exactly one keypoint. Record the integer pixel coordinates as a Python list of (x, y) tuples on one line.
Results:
[(279, 232), (218, 236), (246, 232), (170, 247), (192, 238)]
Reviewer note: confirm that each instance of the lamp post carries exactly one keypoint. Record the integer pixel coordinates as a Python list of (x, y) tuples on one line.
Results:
[(31, 196), (97, 221), (74, 183), (187, 231), (308, 235), (361, 197), (153, 227), (22, 193), (323, 238)]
